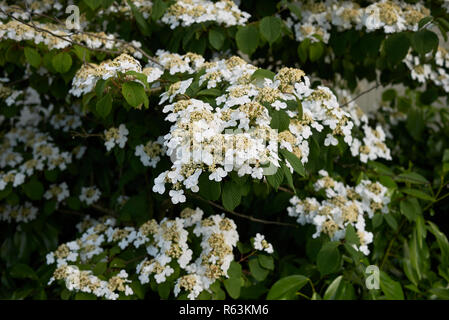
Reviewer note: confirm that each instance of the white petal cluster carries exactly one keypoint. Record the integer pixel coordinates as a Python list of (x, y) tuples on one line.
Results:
[(261, 244), (87, 76), (344, 205), (18, 31), (436, 72), (234, 133), (318, 18), (187, 12), (150, 153), (89, 195), (18, 213), (85, 281), (116, 137), (24, 149), (166, 244), (59, 192)]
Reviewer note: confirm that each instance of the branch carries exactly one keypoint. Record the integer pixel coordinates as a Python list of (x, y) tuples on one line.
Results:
[(243, 215), (104, 210), (150, 58), (32, 25), (361, 94)]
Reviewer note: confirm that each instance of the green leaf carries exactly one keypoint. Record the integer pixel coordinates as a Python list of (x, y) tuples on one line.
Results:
[(73, 203), (280, 120), (247, 39), (262, 74), (158, 9), (294, 162), (85, 296), (82, 53), (139, 18), (104, 105), (23, 271), (163, 289), (410, 208), (209, 189), (138, 289), (424, 41), (441, 293), (270, 28), (412, 177), (212, 92), (389, 95), (392, 289), (233, 284), (442, 242), (230, 195), (316, 50), (424, 21), (62, 62), (140, 76), (288, 176), (391, 221), (266, 261), (216, 38), (33, 189), (257, 271), (100, 268), (339, 289), (303, 50), (136, 208), (415, 122), (329, 258), (134, 94), (33, 57), (351, 236), (117, 263), (285, 286), (396, 47), (93, 4), (276, 179), (418, 194)]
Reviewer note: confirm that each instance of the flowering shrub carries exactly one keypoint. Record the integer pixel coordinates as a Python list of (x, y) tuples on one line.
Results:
[(222, 150)]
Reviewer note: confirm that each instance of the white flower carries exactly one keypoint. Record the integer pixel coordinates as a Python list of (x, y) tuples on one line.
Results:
[(177, 196), (116, 136), (89, 195)]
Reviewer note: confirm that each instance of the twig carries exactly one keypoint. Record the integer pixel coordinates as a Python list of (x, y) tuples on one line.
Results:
[(65, 211), (361, 94), (150, 58), (104, 210), (243, 215), (390, 245), (59, 36), (286, 190)]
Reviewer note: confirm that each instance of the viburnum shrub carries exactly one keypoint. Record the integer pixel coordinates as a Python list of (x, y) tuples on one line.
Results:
[(199, 149)]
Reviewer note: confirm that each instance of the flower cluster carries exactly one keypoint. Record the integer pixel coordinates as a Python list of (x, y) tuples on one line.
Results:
[(261, 244), (57, 37), (371, 144), (150, 153), (116, 136), (18, 213), (82, 250), (24, 149), (188, 12), (87, 76), (89, 195), (437, 72), (167, 246), (234, 132), (343, 205), (317, 18)]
